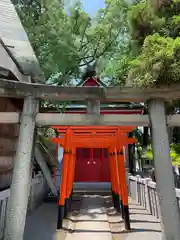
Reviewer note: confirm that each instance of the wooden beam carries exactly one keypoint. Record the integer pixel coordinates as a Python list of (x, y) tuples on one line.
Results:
[(5, 170), (9, 117), (20, 90), (6, 161), (47, 119)]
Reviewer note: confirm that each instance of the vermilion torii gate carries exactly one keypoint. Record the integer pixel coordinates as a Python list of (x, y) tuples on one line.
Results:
[(113, 138)]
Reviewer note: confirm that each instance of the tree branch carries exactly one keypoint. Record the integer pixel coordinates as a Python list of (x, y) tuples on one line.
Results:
[(83, 46), (105, 49), (84, 33), (95, 51)]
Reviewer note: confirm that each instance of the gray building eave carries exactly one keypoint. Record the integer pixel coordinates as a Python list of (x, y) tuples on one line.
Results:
[(15, 40)]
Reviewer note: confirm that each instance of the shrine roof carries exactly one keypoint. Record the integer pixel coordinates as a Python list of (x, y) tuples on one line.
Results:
[(16, 42), (97, 79)]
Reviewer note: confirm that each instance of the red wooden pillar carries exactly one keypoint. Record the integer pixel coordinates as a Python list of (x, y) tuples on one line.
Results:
[(124, 190), (115, 178), (70, 180), (111, 171), (118, 186), (112, 176), (73, 162), (64, 181)]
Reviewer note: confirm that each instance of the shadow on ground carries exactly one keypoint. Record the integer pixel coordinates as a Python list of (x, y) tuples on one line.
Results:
[(41, 224)]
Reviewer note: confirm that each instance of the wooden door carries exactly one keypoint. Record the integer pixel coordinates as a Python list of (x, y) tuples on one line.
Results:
[(81, 169), (105, 177), (92, 165)]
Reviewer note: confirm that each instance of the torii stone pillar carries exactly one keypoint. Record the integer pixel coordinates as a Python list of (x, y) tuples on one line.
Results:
[(19, 191), (163, 169), (93, 107)]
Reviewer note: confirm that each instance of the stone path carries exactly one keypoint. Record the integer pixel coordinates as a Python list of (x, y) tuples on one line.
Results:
[(96, 220), (91, 222)]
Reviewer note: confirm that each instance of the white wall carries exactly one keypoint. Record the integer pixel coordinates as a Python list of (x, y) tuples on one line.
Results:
[(126, 162), (60, 153), (60, 157)]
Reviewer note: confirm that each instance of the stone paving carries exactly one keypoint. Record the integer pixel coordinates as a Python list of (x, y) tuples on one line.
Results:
[(143, 225), (91, 222), (95, 220), (41, 223)]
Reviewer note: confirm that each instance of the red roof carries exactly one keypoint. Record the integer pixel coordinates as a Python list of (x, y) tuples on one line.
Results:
[(92, 81)]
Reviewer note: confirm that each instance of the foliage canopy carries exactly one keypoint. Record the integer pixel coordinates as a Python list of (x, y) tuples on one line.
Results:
[(155, 29), (131, 43), (66, 40)]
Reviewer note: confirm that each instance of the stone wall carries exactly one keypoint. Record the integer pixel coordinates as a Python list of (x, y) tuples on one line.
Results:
[(39, 189)]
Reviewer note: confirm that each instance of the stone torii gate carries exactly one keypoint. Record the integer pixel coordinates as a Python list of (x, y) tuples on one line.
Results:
[(157, 120)]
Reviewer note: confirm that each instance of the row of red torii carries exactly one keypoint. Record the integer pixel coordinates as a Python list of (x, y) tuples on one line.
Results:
[(113, 138)]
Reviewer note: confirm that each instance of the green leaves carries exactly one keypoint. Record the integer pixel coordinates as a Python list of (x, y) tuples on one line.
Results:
[(131, 43), (66, 40), (158, 62), (51, 36), (174, 154), (143, 21), (155, 27)]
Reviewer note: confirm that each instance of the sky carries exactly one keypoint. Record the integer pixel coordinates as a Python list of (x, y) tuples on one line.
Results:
[(92, 6)]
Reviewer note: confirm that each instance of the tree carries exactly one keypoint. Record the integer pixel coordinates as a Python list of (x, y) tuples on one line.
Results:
[(155, 29), (67, 40)]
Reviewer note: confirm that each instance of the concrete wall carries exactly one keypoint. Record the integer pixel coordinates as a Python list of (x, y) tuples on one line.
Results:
[(38, 191)]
